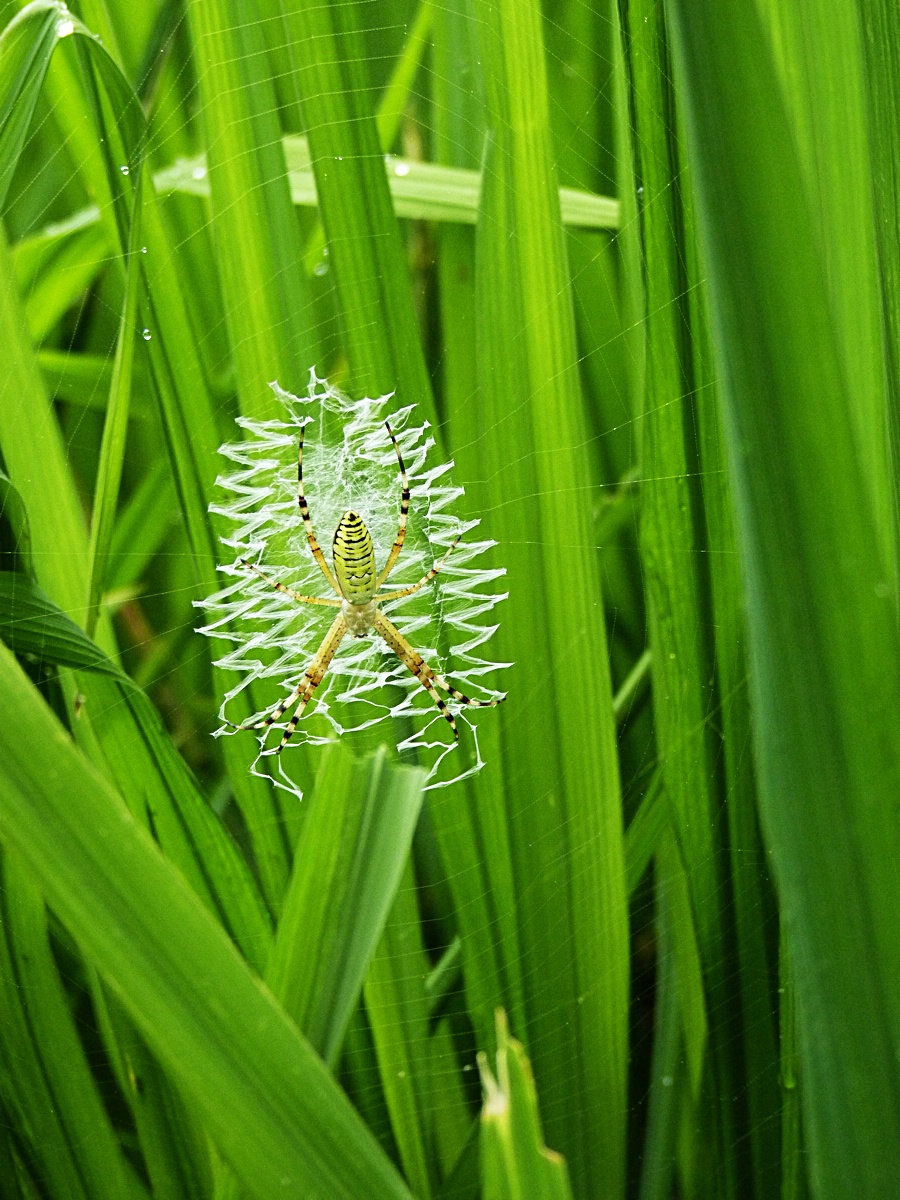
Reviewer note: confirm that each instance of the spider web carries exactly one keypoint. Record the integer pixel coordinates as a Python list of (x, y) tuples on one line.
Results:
[(349, 463)]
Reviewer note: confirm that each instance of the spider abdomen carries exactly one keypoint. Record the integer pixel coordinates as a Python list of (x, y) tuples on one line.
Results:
[(359, 618), (354, 559)]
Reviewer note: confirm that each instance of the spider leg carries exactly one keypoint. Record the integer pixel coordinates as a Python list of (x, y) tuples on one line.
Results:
[(408, 591), (429, 679), (307, 523), (302, 694), (462, 698), (288, 591), (404, 513)]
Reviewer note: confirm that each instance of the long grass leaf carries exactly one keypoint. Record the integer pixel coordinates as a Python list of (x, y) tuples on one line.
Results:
[(112, 447), (341, 889), (35, 459), (824, 655), (265, 1097), (144, 762), (60, 1122), (31, 624), (266, 300), (397, 1009), (562, 786), (26, 47), (180, 389), (380, 336), (515, 1162), (422, 191), (674, 557), (881, 37)]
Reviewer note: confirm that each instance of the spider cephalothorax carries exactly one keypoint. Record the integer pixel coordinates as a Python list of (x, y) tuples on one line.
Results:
[(355, 581)]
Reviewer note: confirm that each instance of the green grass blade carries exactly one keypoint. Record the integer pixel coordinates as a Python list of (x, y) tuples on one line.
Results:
[(751, 886), (266, 300), (144, 762), (562, 787), (822, 70), (115, 430), (684, 937), (668, 1078), (26, 47), (35, 459), (397, 1009), (265, 1097), (515, 1163), (353, 845), (188, 831), (61, 1123), (402, 82), (143, 526), (824, 655), (31, 624), (165, 797), (173, 1142), (418, 1062), (645, 832), (53, 269), (15, 517), (881, 38), (366, 259), (421, 191), (182, 395), (389, 116), (793, 1172), (674, 558)]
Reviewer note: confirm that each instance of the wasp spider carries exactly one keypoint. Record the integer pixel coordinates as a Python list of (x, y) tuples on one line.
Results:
[(355, 581)]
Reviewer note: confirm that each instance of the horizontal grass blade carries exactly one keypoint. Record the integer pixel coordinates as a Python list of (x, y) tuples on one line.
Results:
[(421, 191)]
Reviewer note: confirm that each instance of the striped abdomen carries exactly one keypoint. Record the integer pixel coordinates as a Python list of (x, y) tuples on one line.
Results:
[(354, 559)]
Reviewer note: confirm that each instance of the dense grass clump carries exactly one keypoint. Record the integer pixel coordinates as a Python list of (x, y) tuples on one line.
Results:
[(633, 269)]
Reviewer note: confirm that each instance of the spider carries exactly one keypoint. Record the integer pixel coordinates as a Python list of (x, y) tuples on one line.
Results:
[(356, 581)]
